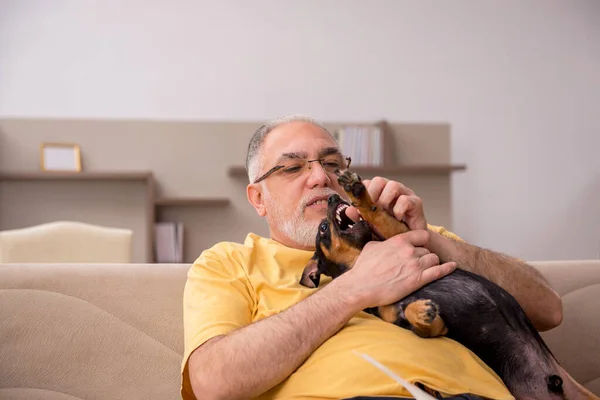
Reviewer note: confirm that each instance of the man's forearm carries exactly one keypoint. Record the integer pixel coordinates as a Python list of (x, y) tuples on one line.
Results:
[(539, 301), (255, 358)]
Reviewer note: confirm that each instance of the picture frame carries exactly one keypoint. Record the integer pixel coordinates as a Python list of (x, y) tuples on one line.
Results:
[(60, 157)]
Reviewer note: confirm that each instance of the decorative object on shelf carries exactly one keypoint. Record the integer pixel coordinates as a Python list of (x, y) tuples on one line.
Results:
[(363, 143), (60, 157)]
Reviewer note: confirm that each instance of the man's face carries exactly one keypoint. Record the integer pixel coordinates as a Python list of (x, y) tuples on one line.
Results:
[(295, 203)]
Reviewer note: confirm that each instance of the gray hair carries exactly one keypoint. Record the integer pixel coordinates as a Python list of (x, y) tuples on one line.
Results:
[(253, 162)]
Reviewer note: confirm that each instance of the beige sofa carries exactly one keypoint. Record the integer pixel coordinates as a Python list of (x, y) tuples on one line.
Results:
[(114, 331)]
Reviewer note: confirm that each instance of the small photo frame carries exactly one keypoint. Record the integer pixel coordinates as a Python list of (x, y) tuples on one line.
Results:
[(60, 157)]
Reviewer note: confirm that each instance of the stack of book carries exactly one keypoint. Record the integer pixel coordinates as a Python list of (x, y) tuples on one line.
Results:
[(363, 143), (168, 242)]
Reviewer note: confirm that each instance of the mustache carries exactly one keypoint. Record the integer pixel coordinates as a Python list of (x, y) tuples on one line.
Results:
[(318, 192)]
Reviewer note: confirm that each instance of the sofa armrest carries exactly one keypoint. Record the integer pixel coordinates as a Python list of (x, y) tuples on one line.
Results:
[(576, 341)]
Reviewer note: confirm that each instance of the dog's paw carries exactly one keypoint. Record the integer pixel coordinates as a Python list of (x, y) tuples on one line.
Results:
[(424, 316), (428, 312), (352, 183)]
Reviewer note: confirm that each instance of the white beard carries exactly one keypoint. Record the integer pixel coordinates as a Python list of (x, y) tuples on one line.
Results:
[(295, 227)]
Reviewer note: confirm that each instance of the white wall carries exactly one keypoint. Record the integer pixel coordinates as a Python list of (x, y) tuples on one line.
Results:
[(519, 82)]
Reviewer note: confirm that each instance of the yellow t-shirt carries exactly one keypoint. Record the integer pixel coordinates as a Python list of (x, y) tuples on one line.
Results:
[(231, 285)]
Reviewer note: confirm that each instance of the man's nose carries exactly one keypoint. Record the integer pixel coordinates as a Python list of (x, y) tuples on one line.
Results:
[(317, 176)]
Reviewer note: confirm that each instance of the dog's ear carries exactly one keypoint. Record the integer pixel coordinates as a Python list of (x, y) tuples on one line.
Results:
[(311, 274)]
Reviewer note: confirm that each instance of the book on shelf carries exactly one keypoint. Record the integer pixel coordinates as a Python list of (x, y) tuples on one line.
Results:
[(168, 242), (363, 143)]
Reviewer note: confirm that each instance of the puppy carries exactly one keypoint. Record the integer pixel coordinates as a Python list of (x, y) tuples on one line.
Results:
[(462, 306)]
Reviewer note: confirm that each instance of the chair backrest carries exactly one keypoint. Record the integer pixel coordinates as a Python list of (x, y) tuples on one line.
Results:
[(66, 242)]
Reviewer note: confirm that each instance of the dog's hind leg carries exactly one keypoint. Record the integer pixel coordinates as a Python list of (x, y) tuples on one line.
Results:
[(420, 316), (424, 317)]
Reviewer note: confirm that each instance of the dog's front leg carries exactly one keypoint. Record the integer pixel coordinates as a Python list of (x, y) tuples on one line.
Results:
[(380, 220)]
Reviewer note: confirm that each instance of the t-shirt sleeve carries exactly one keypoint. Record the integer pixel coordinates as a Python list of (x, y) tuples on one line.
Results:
[(216, 300), (442, 231)]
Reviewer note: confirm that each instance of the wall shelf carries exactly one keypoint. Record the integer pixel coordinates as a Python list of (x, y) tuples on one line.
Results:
[(192, 201), (76, 176), (425, 169), (431, 169)]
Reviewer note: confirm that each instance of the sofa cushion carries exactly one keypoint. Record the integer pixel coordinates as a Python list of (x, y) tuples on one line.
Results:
[(91, 331)]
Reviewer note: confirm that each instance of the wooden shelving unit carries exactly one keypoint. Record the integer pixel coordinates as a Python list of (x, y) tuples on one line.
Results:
[(428, 169), (145, 178), (126, 191)]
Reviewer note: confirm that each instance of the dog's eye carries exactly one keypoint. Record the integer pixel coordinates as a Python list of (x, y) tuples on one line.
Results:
[(324, 226)]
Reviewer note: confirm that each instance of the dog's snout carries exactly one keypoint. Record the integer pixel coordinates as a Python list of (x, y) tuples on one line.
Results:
[(332, 198)]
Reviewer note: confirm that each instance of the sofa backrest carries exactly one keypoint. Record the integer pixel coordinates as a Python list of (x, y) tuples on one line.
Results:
[(114, 331)]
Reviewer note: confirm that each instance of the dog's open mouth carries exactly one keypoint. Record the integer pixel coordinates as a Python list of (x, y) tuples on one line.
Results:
[(346, 224)]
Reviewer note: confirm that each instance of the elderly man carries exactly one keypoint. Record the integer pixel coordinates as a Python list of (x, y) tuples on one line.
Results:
[(252, 331)]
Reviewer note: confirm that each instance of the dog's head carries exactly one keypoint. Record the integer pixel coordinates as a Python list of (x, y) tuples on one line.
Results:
[(339, 241)]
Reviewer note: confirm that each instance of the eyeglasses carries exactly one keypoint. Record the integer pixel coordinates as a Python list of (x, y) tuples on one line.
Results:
[(296, 167)]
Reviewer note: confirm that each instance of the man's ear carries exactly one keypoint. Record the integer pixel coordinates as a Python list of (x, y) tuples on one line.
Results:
[(255, 197), (311, 274)]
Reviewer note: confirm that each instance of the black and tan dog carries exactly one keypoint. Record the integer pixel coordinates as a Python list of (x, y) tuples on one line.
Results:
[(462, 306)]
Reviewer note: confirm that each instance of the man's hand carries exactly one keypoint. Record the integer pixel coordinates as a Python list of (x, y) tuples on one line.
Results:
[(398, 200), (387, 271), (521, 280)]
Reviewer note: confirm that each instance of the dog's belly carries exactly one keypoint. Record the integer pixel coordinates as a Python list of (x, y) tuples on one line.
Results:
[(489, 321)]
